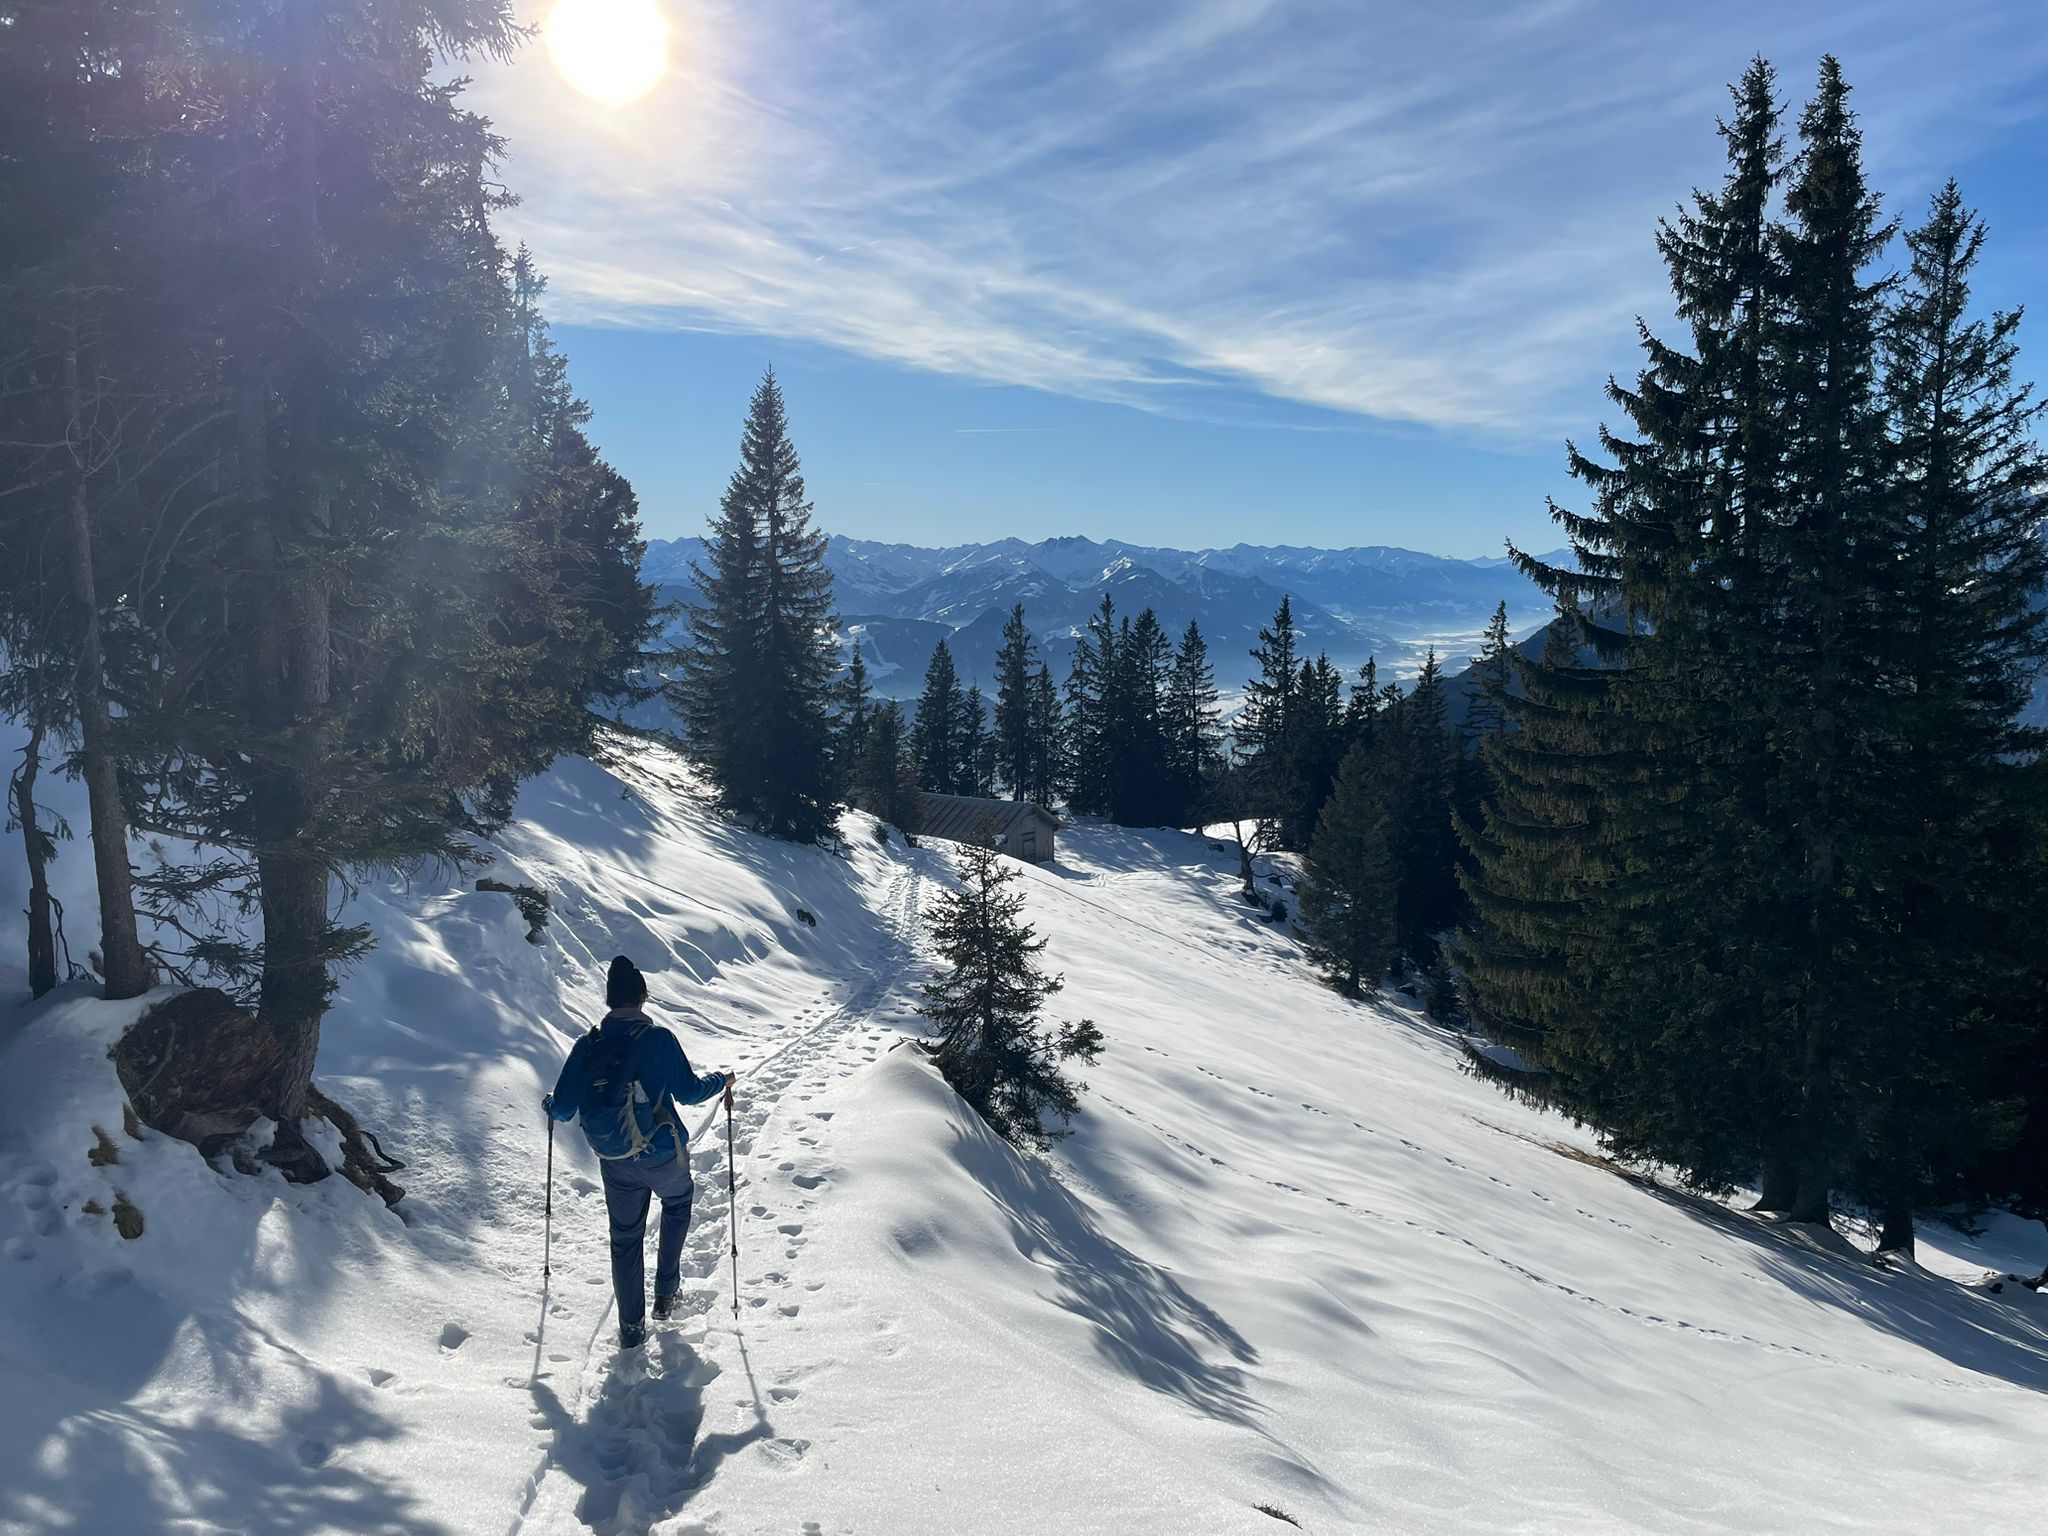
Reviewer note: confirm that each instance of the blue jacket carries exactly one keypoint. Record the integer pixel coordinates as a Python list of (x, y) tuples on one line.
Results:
[(658, 1065)]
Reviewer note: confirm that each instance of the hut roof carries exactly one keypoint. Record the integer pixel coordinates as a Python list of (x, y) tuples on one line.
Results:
[(968, 818)]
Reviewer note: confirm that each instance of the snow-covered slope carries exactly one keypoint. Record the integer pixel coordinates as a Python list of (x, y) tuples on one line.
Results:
[(1291, 1256)]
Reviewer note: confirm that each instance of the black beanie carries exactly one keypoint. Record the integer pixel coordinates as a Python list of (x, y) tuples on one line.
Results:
[(624, 987)]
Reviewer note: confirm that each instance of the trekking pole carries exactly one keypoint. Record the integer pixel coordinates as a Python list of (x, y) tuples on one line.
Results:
[(548, 1222), (732, 1200)]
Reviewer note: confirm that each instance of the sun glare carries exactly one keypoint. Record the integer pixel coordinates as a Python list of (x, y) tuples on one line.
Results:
[(612, 51)]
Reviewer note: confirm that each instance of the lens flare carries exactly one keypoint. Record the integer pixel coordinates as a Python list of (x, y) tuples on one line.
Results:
[(613, 51)]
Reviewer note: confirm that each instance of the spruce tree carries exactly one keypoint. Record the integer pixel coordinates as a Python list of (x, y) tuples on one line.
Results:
[(1829, 637), (1964, 564), (975, 744), (855, 705), (985, 1006), (1048, 737), (1487, 712), (1422, 835), (1364, 704), (1094, 698), (1611, 938), (1194, 731), (1348, 894), (1016, 742), (795, 793), (935, 737), (1142, 792), (1316, 744), (1486, 716), (718, 676), (884, 777), (1267, 726)]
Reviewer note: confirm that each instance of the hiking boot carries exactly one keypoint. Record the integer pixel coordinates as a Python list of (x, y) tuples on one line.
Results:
[(632, 1335), (664, 1307)]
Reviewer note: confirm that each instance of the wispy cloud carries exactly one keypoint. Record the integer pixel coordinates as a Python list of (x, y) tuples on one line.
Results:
[(1435, 214)]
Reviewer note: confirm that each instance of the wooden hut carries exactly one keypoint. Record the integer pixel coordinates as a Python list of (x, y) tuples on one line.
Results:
[(1014, 827)]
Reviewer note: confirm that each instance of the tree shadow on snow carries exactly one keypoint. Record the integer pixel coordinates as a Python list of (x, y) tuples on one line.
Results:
[(123, 1468), (637, 1452), (89, 1441), (2004, 1337), (1146, 1323)]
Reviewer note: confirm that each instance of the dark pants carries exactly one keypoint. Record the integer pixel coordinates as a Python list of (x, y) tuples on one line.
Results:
[(628, 1185)]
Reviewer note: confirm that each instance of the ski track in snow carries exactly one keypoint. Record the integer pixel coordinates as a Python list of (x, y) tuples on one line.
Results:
[(647, 1432)]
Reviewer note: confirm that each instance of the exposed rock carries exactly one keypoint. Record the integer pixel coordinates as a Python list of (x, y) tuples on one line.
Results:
[(197, 1067), (103, 1151), (127, 1218)]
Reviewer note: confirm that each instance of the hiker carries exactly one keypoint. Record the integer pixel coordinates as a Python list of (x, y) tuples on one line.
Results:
[(625, 1079)]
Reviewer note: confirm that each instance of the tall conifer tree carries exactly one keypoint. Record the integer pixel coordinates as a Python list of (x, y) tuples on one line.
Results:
[(1349, 887), (1194, 731), (935, 737), (1933, 1059), (1015, 736)]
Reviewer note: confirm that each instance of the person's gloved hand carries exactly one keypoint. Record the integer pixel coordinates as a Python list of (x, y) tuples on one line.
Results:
[(547, 1102)]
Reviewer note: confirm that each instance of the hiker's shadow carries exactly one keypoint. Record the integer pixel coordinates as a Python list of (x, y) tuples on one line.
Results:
[(638, 1452)]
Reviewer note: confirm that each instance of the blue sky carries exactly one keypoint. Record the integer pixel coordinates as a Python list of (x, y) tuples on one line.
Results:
[(1324, 272)]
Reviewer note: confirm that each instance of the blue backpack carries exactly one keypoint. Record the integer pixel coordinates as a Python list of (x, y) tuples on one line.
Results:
[(610, 1109)]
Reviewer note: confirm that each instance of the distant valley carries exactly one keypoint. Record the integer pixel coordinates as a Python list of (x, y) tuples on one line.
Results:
[(897, 601)]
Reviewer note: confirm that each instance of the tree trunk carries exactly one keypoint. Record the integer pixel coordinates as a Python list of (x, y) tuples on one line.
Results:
[(292, 663), (1811, 1203), (42, 938), (122, 961), (1781, 1184), (1896, 1234), (293, 993)]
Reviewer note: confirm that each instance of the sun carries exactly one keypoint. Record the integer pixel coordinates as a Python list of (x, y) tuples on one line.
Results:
[(614, 51)]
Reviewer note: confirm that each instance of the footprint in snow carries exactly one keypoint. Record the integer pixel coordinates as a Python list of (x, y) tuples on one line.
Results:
[(454, 1336)]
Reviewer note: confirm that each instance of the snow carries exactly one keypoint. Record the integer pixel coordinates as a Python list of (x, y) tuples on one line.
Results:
[(1291, 1256)]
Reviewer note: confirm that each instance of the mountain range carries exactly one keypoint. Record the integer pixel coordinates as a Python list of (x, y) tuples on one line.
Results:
[(897, 601)]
